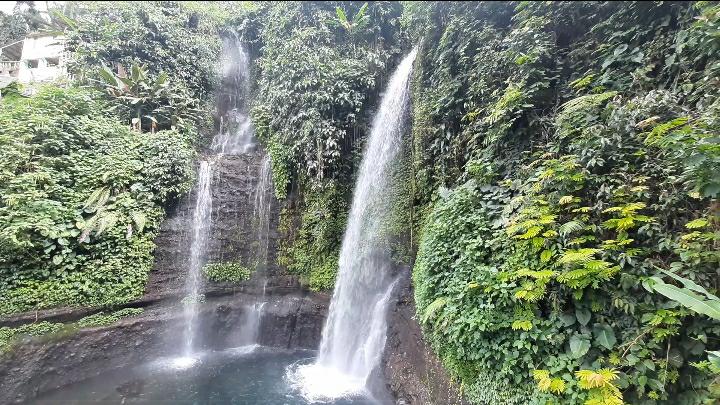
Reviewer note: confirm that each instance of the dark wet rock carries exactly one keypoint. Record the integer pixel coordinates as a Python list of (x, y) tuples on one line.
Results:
[(131, 389), (414, 373), (232, 237)]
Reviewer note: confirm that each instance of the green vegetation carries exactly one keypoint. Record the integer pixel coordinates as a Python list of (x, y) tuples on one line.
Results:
[(560, 182), (311, 248), (104, 319), (157, 60), (82, 198), (226, 272), (320, 67), (50, 330), (24, 18), (179, 39), (579, 141), (82, 192)]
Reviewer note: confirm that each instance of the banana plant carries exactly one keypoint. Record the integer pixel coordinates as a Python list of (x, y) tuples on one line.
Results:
[(690, 295), (359, 20), (695, 297), (151, 102)]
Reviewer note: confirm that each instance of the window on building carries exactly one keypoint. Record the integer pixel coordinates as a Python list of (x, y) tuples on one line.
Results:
[(32, 63), (52, 61)]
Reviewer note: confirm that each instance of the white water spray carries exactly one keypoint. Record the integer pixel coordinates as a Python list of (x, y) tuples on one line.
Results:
[(250, 329), (355, 333), (261, 214), (236, 135)]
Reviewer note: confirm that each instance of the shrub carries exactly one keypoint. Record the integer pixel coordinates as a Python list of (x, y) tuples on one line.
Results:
[(82, 197), (226, 272)]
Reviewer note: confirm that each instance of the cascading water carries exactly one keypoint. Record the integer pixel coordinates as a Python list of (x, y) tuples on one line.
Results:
[(261, 223), (234, 137), (236, 131), (261, 214), (201, 232), (355, 332)]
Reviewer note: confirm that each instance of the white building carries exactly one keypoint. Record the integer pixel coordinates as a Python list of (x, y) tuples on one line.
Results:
[(37, 58), (41, 59), (10, 62)]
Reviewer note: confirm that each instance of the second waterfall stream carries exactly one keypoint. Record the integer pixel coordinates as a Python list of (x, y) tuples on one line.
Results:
[(234, 138), (354, 336)]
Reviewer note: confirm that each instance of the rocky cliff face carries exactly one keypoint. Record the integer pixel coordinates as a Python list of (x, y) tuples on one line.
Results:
[(233, 234), (414, 374)]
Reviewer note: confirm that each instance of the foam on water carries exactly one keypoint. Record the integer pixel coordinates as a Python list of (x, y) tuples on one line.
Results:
[(318, 383)]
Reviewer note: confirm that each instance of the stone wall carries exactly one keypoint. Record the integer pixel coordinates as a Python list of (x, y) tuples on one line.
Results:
[(232, 236)]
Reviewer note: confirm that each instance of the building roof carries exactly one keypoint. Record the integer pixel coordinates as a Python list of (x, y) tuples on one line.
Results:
[(12, 51)]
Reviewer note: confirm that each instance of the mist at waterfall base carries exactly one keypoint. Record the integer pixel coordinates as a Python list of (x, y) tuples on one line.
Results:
[(355, 332), (251, 375)]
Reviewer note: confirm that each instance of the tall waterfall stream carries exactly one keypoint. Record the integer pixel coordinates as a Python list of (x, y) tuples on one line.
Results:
[(355, 333), (234, 137)]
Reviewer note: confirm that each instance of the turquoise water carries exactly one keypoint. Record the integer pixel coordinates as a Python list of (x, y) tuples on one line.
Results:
[(240, 376)]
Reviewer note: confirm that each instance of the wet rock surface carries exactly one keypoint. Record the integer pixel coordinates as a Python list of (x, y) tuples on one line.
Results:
[(232, 233), (413, 372)]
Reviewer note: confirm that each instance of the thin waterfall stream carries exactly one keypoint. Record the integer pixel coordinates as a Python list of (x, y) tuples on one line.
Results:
[(250, 329), (355, 332), (234, 137), (201, 230)]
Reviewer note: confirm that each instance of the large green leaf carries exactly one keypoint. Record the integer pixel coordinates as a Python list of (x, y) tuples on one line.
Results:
[(689, 284), (109, 77), (582, 315), (341, 14), (714, 358), (687, 298), (579, 346), (604, 336)]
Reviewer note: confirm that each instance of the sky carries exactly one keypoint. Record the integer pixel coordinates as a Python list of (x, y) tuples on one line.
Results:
[(7, 6)]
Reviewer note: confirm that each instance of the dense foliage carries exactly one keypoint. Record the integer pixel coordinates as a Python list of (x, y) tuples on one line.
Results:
[(158, 61), (562, 174), (580, 143), (23, 19), (82, 197), (82, 194), (320, 67), (178, 38), (226, 272)]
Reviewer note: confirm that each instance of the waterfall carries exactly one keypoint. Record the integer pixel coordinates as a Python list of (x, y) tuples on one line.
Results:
[(201, 228), (355, 332), (261, 223), (261, 214), (236, 134), (234, 137)]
